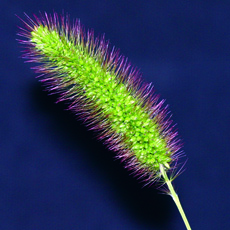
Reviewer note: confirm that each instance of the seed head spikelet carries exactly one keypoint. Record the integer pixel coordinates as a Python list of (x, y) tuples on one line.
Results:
[(107, 93)]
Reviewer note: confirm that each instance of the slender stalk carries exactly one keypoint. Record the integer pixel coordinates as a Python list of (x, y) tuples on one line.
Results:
[(174, 196)]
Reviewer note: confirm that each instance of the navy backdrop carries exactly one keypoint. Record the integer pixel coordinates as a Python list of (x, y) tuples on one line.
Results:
[(54, 174)]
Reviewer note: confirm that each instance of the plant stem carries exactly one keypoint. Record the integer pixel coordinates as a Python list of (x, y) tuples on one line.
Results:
[(174, 196)]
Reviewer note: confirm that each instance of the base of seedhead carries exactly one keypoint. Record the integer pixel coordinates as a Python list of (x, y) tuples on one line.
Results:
[(174, 195)]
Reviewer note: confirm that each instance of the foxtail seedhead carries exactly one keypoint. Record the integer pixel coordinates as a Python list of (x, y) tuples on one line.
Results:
[(105, 90)]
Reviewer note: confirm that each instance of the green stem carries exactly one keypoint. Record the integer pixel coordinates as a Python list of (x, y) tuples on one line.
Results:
[(174, 196)]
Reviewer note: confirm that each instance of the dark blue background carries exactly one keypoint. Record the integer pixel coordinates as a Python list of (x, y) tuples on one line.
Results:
[(55, 175)]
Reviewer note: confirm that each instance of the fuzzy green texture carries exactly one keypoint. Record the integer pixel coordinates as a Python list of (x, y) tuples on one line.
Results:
[(124, 113)]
